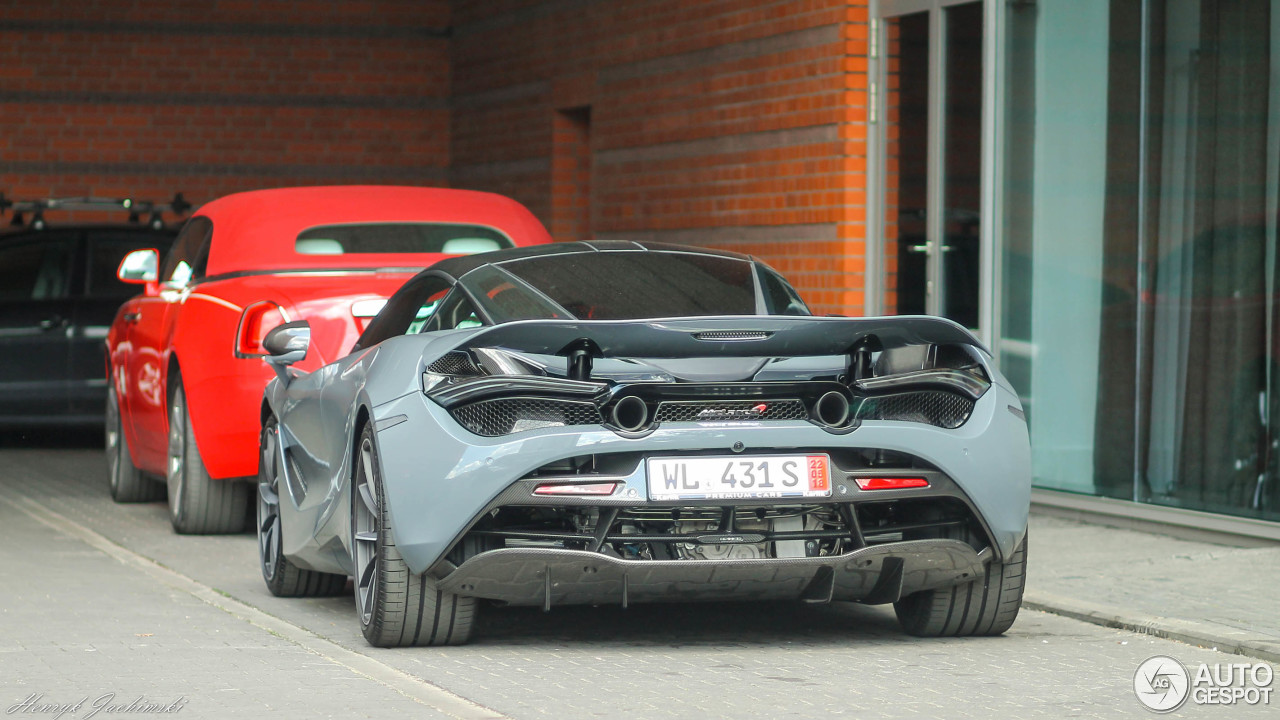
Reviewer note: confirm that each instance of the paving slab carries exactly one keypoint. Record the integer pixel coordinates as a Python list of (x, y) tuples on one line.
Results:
[(1196, 592)]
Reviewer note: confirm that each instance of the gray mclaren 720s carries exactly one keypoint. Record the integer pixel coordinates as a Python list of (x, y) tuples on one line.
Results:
[(621, 422)]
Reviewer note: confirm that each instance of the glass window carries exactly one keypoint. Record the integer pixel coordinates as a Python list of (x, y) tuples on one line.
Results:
[(426, 311), (507, 298), (190, 253), (628, 285), (36, 269), (1139, 273), (411, 309), (106, 250), (455, 312), (779, 297), (400, 238)]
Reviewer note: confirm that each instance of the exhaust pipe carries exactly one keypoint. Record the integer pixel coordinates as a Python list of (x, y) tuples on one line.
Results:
[(630, 413), (832, 409)]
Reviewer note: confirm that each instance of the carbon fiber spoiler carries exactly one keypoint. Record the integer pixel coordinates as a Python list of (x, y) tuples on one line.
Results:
[(734, 336)]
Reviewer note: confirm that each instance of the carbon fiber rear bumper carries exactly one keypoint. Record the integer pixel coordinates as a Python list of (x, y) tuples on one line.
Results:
[(879, 574)]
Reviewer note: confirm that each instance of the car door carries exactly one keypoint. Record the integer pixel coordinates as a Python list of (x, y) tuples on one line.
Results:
[(96, 306), (36, 271), (150, 320)]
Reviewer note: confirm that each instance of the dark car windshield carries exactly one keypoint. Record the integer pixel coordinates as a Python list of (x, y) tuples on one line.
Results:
[(615, 286)]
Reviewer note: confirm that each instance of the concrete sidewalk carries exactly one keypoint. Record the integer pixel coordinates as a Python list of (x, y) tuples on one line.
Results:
[(1215, 596), (90, 628)]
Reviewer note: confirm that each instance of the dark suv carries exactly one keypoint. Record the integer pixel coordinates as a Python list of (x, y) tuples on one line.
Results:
[(58, 296)]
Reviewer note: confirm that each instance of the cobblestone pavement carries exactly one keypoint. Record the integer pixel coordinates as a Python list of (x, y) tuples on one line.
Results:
[(86, 612)]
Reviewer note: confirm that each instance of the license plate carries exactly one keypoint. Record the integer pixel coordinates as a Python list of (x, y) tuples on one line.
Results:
[(718, 478)]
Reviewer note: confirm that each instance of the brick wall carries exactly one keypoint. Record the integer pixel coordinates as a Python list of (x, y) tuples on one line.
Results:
[(738, 124), (148, 97)]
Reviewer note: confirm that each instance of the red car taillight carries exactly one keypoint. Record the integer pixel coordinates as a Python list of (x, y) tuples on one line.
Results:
[(255, 322)]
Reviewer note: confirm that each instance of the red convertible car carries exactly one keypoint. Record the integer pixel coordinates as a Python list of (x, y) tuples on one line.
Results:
[(185, 378)]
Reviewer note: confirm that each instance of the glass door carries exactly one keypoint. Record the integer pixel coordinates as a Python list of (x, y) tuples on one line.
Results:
[(932, 140)]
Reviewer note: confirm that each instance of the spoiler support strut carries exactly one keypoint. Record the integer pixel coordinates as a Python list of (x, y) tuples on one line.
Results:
[(580, 354)]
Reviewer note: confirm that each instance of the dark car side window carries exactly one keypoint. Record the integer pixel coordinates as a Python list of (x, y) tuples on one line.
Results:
[(416, 297), (190, 254), (36, 269), (779, 297), (507, 298), (455, 311)]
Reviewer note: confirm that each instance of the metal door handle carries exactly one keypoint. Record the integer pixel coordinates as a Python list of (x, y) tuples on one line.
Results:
[(131, 317), (53, 321), (925, 248)]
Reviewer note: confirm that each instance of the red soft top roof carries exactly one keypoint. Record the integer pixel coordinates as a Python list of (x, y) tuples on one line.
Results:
[(256, 230)]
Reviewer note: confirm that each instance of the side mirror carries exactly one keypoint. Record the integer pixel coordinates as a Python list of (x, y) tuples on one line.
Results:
[(285, 345), (288, 343), (139, 267)]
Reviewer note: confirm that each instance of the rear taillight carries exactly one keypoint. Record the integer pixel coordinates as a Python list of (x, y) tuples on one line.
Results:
[(364, 310), (890, 483), (255, 322)]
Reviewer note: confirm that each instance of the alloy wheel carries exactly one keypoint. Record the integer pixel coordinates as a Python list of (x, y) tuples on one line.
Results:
[(365, 525), (112, 440), (177, 452), (269, 503)]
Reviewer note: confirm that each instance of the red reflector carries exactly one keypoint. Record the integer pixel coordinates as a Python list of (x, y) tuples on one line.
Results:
[(576, 489), (890, 483)]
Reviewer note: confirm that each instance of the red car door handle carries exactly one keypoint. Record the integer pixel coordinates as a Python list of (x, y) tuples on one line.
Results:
[(132, 317)]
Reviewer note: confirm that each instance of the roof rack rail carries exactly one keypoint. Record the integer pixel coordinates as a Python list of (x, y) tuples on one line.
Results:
[(136, 208)]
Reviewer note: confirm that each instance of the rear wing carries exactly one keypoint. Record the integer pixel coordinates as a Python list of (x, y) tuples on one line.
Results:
[(881, 356), (733, 336)]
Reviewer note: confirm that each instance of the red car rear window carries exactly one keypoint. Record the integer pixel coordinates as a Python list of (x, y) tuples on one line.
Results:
[(379, 238)]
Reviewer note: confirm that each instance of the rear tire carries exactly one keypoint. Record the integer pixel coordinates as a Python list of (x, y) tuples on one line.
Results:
[(198, 504), (986, 606), (283, 578), (128, 484), (396, 608)]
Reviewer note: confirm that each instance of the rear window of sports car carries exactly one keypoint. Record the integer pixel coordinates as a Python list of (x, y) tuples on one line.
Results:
[(629, 285), (380, 238)]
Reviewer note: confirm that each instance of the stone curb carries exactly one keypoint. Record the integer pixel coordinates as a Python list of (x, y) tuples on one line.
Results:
[(1219, 637)]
